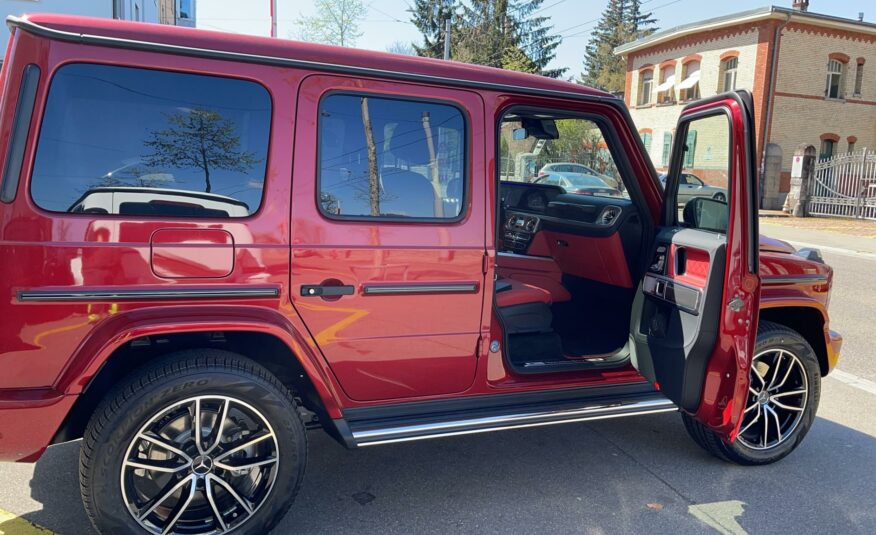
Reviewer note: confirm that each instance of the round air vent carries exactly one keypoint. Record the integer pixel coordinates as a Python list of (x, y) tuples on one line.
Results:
[(609, 215)]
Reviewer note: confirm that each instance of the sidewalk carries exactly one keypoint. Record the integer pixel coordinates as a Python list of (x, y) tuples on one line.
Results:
[(851, 235)]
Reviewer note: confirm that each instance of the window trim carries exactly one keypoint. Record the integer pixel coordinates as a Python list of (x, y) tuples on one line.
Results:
[(641, 87), (149, 217), (464, 208), (724, 69), (841, 82)]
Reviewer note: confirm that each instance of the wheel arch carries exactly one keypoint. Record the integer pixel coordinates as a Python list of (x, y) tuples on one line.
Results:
[(111, 353), (810, 321)]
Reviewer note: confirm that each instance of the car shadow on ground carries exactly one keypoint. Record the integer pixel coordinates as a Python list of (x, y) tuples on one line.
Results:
[(631, 475)]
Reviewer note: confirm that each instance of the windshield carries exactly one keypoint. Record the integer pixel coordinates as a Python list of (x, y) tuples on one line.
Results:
[(584, 180)]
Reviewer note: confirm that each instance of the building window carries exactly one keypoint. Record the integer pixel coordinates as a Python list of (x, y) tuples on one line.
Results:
[(389, 158), (646, 140), (143, 142), (667, 147), (859, 77), (851, 146), (185, 13), (835, 71), (828, 146), (728, 74), (646, 83), (690, 149), (666, 89), (690, 85)]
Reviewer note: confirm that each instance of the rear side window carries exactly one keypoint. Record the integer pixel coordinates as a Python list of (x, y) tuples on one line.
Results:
[(390, 158), (137, 142)]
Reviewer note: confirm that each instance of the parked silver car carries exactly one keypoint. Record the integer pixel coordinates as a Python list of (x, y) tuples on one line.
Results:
[(691, 186), (572, 170)]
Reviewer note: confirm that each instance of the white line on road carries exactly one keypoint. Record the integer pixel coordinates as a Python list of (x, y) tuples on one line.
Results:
[(854, 381), (837, 250)]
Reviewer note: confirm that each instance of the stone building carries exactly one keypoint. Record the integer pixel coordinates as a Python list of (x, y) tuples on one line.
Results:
[(813, 78)]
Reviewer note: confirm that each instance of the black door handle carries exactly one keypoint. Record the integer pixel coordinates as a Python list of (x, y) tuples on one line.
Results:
[(315, 290)]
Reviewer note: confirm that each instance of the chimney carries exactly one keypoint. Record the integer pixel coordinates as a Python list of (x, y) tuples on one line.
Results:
[(800, 5), (860, 16)]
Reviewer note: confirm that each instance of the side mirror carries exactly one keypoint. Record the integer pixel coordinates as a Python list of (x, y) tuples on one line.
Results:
[(706, 214)]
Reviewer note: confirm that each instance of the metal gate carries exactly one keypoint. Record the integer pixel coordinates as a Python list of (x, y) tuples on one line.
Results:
[(844, 186)]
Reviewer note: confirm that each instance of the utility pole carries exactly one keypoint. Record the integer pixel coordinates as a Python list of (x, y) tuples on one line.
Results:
[(274, 18), (447, 39)]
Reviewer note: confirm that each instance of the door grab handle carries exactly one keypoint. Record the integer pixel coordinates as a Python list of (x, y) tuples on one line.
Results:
[(315, 290)]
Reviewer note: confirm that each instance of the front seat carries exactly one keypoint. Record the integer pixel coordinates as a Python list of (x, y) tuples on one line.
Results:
[(406, 192)]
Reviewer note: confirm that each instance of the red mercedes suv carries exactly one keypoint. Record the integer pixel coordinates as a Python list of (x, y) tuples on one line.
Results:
[(212, 243)]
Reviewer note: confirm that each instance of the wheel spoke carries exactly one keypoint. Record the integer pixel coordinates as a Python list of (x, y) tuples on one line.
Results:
[(182, 509), (791, 367), (208, 484), (227, 486), (754, 392), (243, 446), (758, 375), (165, 495), (156, 466), (753, 420), (196, 426), (766, 428), (248, 465), (769, 409), (220, 426), (164, 445), (781, 405), (752, 406), (786, 394), (777, 366)]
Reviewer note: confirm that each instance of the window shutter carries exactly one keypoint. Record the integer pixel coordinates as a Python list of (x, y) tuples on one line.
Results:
[(690, 149)]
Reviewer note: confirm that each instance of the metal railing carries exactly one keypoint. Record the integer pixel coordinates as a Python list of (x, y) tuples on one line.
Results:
[(844, 185)]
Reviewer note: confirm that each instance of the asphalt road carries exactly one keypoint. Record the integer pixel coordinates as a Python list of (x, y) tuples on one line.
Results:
[(633, 475)]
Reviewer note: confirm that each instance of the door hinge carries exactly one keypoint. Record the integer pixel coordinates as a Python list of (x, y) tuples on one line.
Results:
[(484, 262), (478, 346)]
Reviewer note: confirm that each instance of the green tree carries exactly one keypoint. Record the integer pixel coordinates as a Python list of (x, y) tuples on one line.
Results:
[(430, 16), (498, 33), (198, 138), (336, 22), (621, 22)]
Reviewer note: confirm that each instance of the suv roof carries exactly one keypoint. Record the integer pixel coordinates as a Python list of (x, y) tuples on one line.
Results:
[(202, 43)]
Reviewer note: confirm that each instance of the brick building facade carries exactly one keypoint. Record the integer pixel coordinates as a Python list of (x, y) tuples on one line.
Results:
[(813, 78)]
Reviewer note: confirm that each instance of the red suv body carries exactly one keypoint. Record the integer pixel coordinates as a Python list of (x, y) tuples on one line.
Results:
[(357, 233)]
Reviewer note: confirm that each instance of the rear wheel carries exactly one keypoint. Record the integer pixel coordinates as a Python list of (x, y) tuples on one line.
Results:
[(203, 441), (781, 405)]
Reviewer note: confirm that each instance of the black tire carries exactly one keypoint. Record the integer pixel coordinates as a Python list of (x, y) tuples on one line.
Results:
[(769, 336), (178, 377)]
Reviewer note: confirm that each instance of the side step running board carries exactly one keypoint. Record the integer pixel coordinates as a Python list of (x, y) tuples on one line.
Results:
[(514, 420)]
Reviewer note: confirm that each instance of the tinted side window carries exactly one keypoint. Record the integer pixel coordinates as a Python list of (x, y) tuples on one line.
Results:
[(137, 142), (390, 158)]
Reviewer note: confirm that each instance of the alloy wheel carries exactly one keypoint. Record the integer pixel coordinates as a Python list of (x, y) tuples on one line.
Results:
[(778, 396), (202, 465)]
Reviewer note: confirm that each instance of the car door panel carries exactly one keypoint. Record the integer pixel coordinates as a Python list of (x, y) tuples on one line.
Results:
[(407, 320), (694, 319)]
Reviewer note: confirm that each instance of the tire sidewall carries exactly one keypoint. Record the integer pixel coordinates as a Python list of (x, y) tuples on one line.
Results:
[(796, 344), (111, 445)]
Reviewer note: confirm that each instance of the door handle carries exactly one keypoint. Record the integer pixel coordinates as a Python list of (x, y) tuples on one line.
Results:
[(316, 290)]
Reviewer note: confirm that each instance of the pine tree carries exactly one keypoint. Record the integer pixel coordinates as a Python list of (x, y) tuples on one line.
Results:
[(621, 22), (430, 16), (496, 32)]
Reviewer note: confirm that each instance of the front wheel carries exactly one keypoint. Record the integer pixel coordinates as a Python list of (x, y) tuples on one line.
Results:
[(203, 441), (782, 402)]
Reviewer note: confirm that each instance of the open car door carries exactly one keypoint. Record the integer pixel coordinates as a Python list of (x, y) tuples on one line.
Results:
[(694, 319)]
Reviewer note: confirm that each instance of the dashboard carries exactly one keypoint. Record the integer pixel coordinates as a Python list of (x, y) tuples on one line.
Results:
[(528, 208)]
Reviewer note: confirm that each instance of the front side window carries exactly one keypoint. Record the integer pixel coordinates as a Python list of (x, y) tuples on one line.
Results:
[(728, 74), (138, 142), (390, 158), (706, 173), (834, 79), (534, 146), (645, 87)]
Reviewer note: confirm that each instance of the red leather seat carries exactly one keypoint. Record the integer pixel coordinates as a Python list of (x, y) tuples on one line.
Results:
[(510, 292)]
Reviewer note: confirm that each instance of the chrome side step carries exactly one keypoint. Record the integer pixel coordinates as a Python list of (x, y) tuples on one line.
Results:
[(516, 420)]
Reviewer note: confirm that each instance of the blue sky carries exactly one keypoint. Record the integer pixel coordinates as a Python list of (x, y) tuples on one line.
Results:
[(388, 21)]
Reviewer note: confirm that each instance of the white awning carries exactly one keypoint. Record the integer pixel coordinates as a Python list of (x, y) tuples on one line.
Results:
[(691, 80), (667, 84)]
